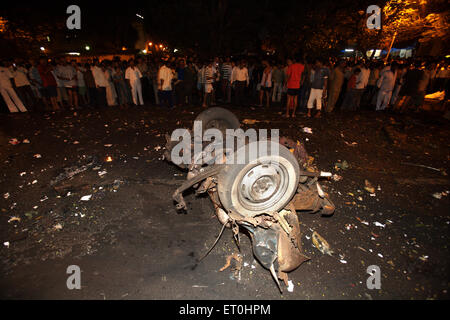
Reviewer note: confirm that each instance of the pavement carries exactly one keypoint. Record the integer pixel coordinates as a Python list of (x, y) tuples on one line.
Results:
[(130, 243)]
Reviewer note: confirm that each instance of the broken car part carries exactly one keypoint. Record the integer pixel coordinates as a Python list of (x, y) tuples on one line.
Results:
[(261, 194)]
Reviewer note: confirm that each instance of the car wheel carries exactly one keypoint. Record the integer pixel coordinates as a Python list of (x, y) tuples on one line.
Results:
[(264, 182), (218, 118)]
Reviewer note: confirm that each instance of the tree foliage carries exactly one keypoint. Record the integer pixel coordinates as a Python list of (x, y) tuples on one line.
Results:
[(415, 20)]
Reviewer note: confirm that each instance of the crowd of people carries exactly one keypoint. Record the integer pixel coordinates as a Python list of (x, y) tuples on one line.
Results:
[(300, 84)]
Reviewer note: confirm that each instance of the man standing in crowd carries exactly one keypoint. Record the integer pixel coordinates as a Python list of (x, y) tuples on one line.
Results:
[(369, 94), (142, 66), (165, 76), (120, 85), (48, 82), (111, 94), (81, 84), (22, 84), (71, 83), (36, 81), (305, 88), (225, 72), (90, 85), (179, 84), (240, 78), (216, 77), (399, 76), (189, 81), (201, 81), (7, 90), (100, 83), (335, 85), (293, 82), (209, 84), (133, 75), (266, 84), (422, 86), (318, 87), (409, 90), (349, 103), (153, 81), (385, 84), (277, 82), (361, 83), (59, 73)]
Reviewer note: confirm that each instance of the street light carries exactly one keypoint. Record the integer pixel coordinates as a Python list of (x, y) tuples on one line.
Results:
[(150, 44), (42, 48), (87, 48)]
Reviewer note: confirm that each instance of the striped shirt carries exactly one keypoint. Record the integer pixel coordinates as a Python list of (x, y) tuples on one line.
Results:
[(226, 71), (209, 75)]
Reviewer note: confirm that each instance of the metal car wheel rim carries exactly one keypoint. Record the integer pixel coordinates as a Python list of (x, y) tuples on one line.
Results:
[(262, 186)]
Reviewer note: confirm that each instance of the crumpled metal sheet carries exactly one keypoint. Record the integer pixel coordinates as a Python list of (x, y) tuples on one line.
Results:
[(290, 253)]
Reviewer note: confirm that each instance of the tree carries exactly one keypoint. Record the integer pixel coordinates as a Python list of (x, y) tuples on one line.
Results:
[(407, 20)]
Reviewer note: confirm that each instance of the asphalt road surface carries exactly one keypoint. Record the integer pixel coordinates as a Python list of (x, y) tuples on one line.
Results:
[(130, 243)]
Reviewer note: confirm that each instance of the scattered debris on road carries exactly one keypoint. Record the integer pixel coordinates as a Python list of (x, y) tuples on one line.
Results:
[(321, 244)]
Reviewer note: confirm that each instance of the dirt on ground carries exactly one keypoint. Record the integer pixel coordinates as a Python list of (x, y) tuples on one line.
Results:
[(91, 188)]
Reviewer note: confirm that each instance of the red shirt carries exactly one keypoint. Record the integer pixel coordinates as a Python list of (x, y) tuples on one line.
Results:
[(294, 75), (46, 75), (352, 82)]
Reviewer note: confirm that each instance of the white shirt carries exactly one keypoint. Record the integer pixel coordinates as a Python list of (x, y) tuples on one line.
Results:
[(239, 74), (99, 77), (68, 73), (72, 75), (80, 77), (5, 78), (363, 79), (388, 68), (386, 81), (166, 75), (133, 74), (20, 77), (59, 83)]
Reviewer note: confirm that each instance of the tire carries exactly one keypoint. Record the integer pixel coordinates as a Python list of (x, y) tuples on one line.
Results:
[(263, 184), (219, 118)]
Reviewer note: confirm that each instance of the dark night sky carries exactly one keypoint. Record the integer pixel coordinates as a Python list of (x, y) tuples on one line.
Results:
[(209, 25)]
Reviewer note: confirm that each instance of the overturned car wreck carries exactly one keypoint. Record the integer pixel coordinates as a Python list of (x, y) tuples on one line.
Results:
[(255, 185)]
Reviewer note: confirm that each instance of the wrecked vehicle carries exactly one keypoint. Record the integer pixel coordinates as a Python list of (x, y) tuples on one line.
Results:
[(261, 194)]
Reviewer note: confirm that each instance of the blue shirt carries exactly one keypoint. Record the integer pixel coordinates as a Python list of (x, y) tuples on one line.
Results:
[(319, 77)]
